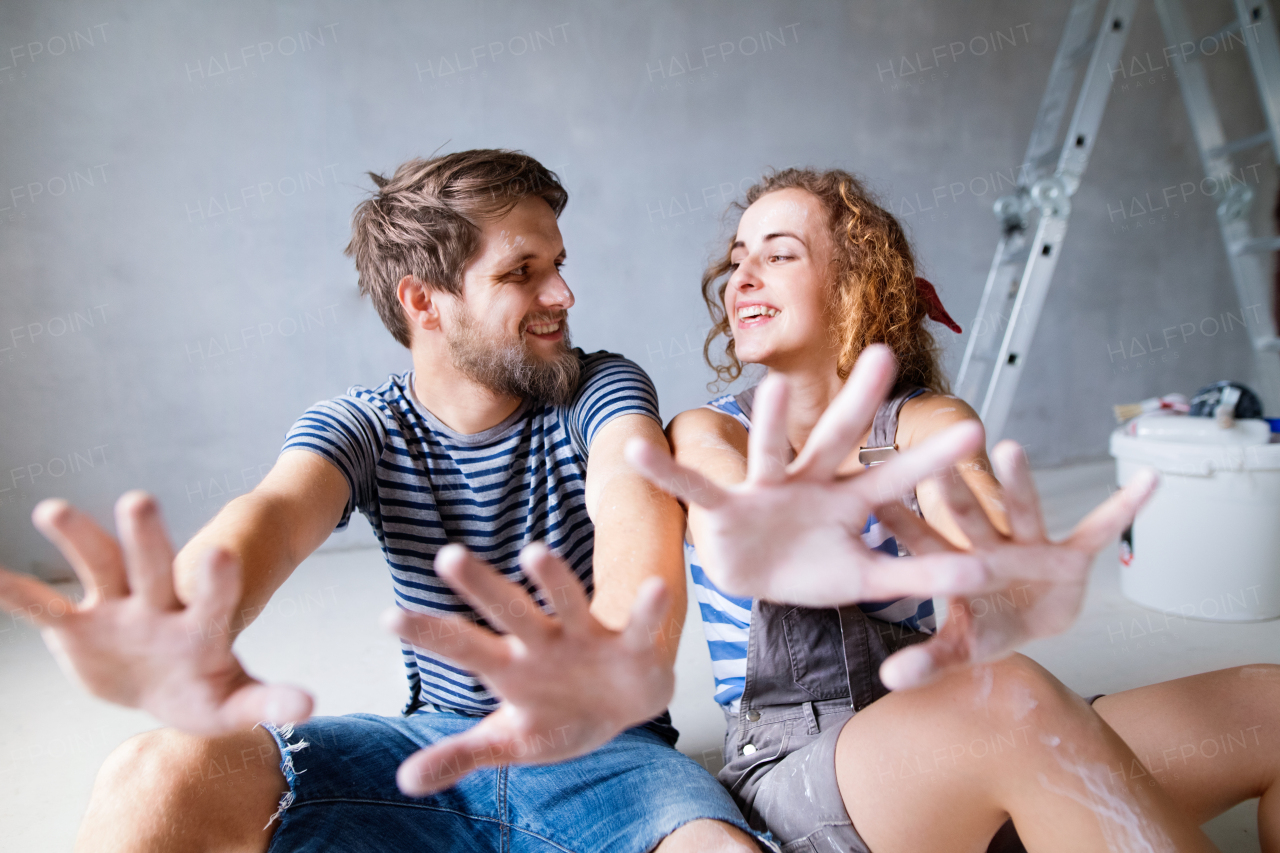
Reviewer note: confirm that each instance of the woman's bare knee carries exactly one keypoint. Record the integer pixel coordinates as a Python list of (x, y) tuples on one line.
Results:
[(977, 729), (1008, 699), (163, 788), (953, 741)]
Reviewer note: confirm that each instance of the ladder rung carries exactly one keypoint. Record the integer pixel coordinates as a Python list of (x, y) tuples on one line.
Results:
[(1229, 27), (1256, 246), (1271, 344), (1260, 138), (1082, 52)]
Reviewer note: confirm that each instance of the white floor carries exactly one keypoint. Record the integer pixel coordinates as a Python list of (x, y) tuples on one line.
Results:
[(321, 632)]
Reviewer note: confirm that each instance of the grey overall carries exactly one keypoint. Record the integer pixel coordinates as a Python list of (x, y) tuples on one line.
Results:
[(808, 671)]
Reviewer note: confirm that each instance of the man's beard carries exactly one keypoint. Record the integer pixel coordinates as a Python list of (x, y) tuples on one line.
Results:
[(507, 366)]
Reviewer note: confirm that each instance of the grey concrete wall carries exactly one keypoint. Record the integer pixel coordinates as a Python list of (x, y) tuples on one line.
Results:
[(176, 185)]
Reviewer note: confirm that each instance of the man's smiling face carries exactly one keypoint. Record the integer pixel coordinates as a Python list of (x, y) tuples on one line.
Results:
[(509, 331)]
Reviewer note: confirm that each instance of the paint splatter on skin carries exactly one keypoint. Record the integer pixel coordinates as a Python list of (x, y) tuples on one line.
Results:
[(711, 441), (1023, 703), (1124, 828), (508, 243), (987, 675)]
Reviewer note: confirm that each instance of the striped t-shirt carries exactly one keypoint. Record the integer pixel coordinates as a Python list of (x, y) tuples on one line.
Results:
[(726, 619), (423, 485)]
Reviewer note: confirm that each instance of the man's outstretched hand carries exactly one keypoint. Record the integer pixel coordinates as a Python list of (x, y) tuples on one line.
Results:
[(1039, 584), (792, 533), (131, 641), (568, 684)]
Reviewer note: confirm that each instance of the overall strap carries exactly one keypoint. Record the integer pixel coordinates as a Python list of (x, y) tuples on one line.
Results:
[(883, 439), (884, 436), (884, 429)]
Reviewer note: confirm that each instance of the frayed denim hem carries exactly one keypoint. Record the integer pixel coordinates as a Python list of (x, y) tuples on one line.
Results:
[(282, 734)]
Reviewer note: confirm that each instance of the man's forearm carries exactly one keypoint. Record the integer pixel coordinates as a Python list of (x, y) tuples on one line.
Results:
[(270, 530), (252, 528), (638, 535)]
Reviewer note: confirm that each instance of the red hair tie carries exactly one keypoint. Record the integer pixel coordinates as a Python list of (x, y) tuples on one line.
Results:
[(933, 305)]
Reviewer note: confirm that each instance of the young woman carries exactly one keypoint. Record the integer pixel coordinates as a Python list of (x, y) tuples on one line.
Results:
[(818, 751)]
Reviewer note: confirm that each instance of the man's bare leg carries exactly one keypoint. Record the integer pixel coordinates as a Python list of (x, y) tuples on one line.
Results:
[(165, 791), (1210, 740)]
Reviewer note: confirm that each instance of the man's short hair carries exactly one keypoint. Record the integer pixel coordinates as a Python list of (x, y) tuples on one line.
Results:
[(425, 221)]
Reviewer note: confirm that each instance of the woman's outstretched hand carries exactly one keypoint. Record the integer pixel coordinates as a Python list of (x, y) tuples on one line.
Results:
[(792, 532), (131, 641), (1039, 585), (568, 684)]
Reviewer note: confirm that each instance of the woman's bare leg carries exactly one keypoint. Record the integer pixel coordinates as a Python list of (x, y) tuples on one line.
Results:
[(942, 767), (1210, 740)]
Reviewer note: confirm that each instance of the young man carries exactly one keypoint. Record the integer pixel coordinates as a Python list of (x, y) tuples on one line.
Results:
[(500, 436)]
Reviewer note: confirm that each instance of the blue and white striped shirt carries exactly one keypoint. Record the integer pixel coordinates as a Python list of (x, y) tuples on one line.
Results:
[(423, 485), (726, 620)]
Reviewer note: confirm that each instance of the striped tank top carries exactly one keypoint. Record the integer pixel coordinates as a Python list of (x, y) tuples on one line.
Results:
[(726, 619)]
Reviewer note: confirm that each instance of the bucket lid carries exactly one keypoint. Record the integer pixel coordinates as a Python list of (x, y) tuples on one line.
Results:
[(1192, 458), (1164, 426)]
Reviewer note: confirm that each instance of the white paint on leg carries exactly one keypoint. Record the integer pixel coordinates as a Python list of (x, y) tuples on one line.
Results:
[(1124, 827)]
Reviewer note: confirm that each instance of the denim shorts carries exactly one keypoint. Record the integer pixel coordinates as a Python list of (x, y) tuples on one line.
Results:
[(626, 796)]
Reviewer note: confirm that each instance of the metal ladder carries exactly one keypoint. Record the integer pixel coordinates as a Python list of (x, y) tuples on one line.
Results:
[(1023, 267)]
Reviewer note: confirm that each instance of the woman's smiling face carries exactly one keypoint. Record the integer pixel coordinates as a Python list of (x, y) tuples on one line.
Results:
[(779, 289)]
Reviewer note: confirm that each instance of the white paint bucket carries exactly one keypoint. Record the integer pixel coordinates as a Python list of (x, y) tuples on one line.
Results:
[(1207, 544)]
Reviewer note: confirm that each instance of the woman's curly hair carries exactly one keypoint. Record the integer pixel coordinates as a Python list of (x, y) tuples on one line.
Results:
[(873, 281)]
